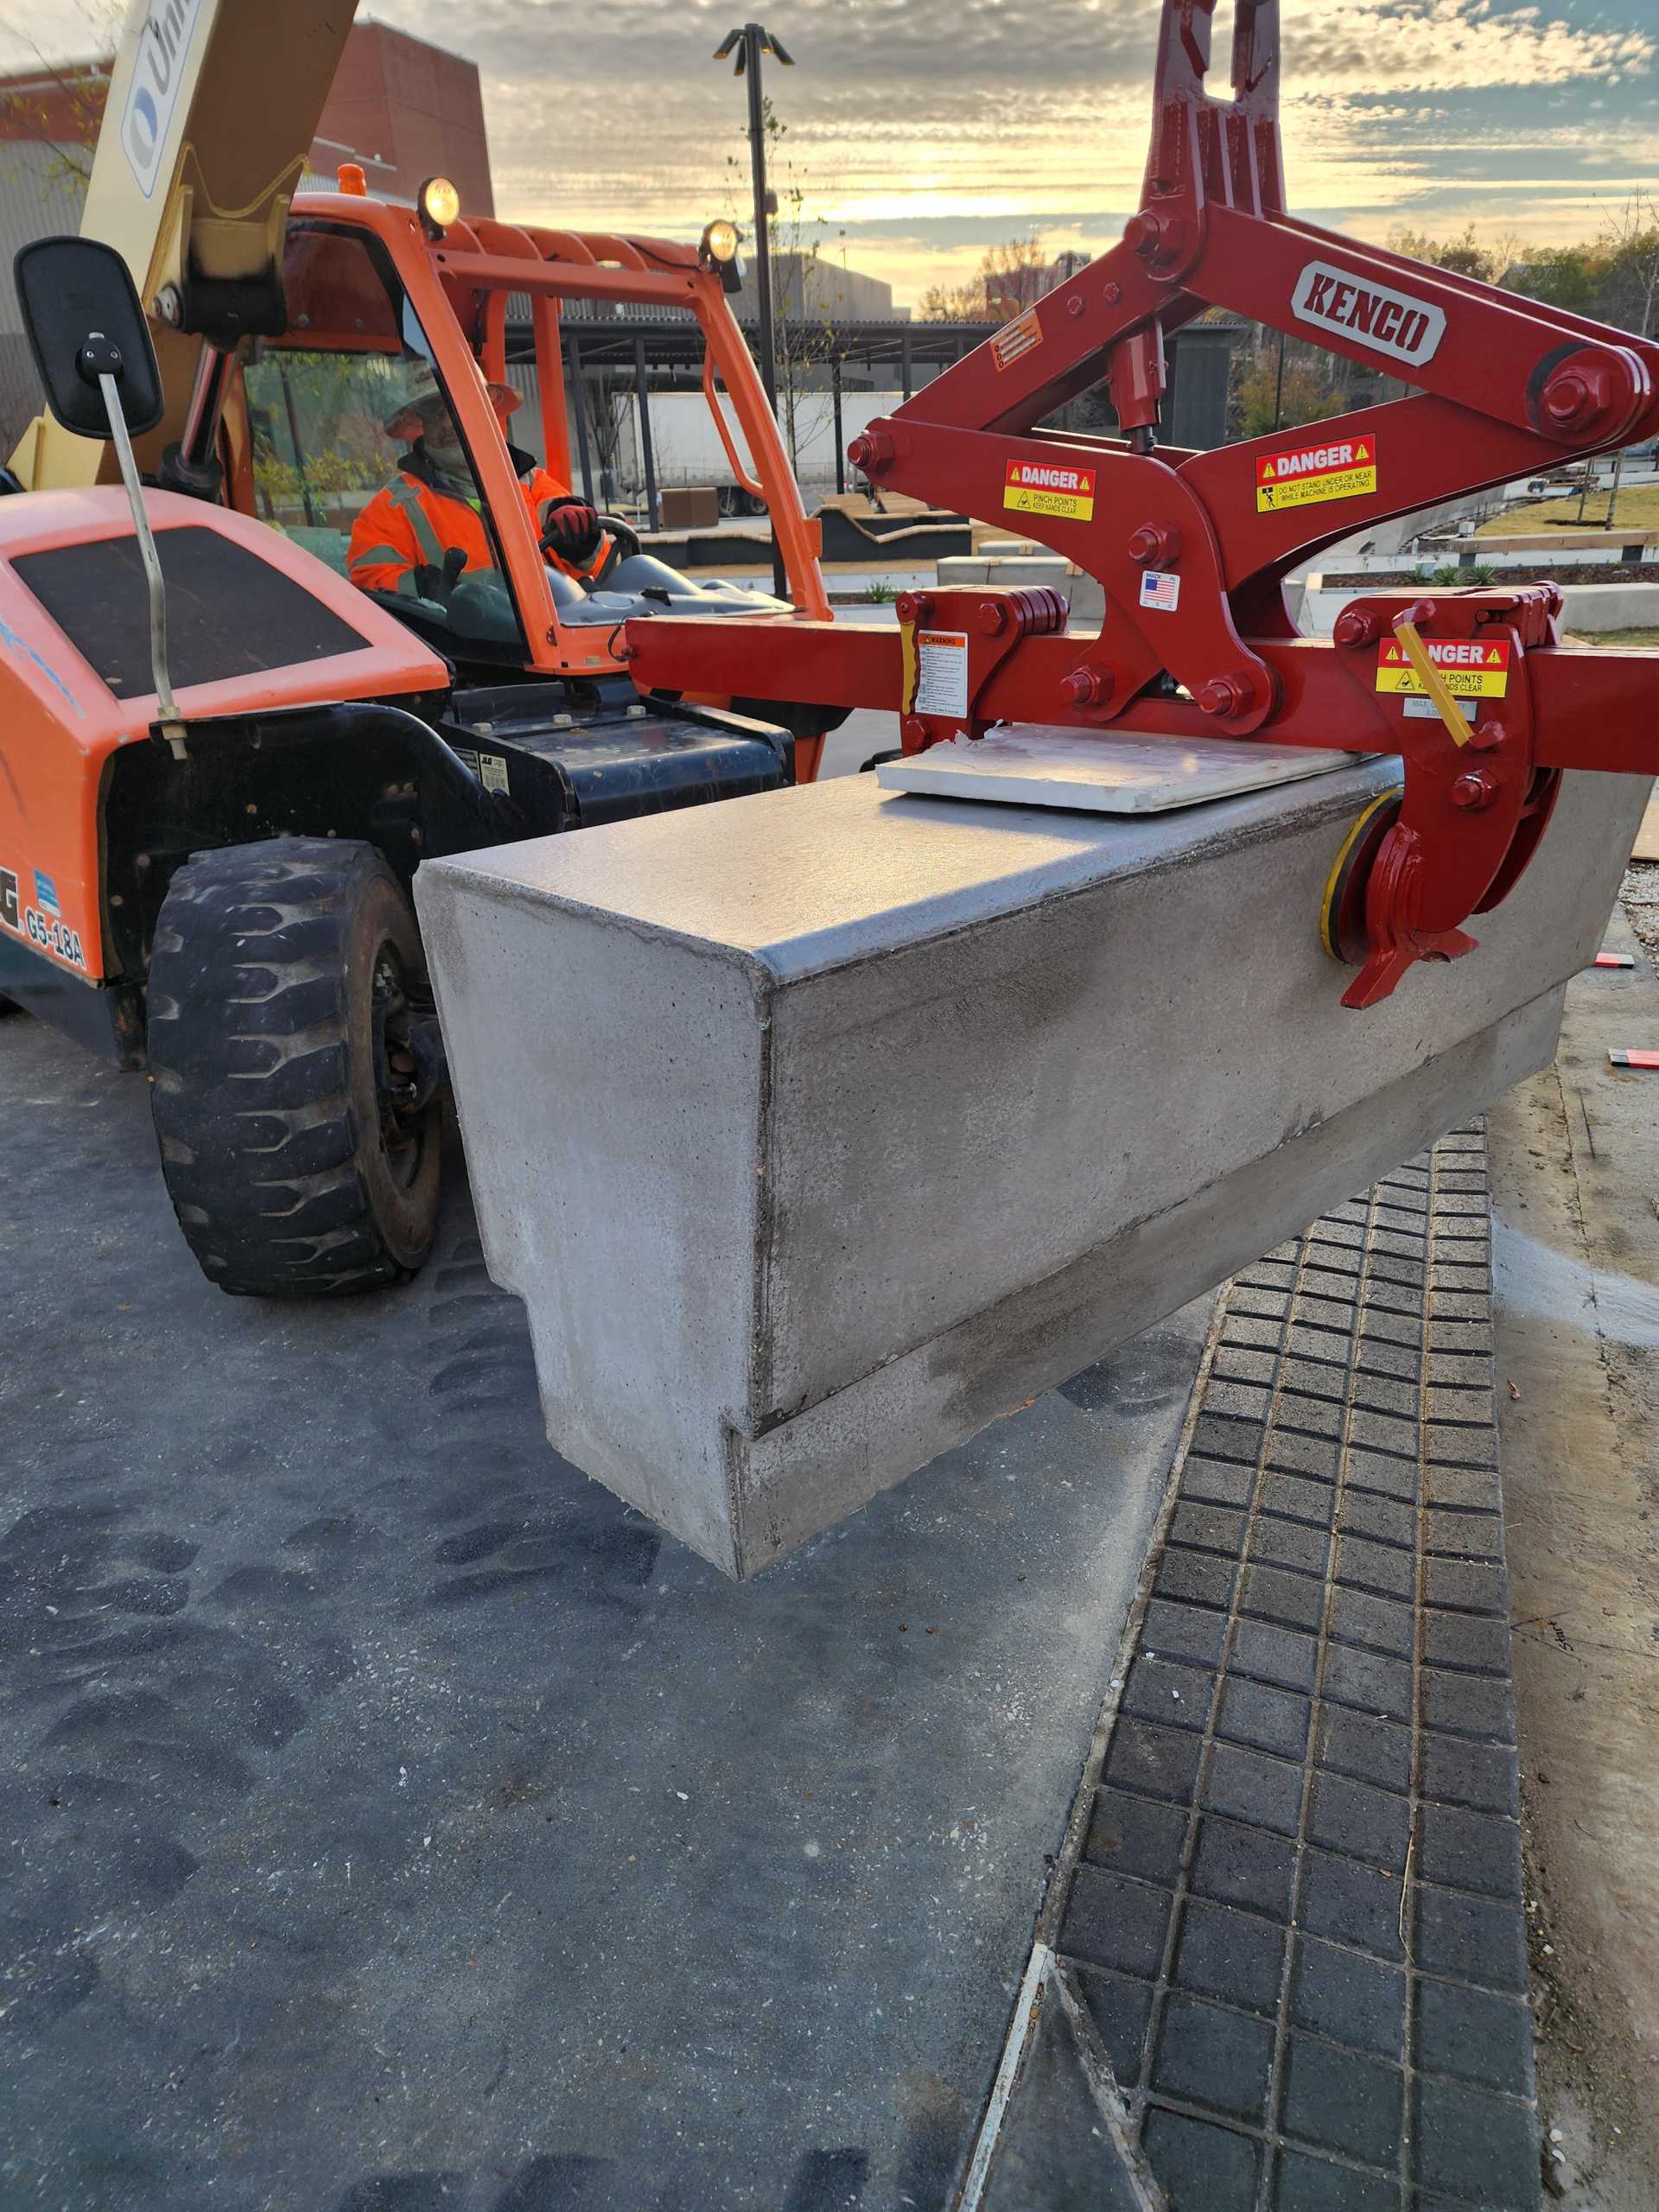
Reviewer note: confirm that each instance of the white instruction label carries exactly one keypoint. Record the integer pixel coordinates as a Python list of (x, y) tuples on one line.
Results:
[(942, 673), (1425, 710)]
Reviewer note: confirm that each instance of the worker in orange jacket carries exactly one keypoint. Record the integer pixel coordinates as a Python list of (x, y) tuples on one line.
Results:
[(424, 530)]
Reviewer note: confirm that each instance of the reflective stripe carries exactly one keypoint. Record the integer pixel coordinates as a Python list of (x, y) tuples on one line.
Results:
[(425, 537), (380, 557)]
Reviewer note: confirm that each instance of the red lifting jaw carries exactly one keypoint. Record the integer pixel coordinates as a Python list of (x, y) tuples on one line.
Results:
[(1473, 690)]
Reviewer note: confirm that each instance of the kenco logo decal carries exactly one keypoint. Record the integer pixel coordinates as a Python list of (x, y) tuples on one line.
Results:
[(1391, 322), (1474, 668), (1041, 488), (1346, 469)]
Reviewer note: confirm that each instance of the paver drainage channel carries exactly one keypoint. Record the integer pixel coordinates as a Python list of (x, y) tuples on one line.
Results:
[(1296, 1916)]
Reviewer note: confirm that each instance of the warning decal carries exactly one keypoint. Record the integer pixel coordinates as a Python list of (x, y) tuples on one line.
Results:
[(1016, 338), (942, 673), (1474, 668), (1302, 476), (1042, 488)]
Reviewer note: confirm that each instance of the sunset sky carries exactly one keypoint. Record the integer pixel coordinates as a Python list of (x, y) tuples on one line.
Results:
[(925, 130)]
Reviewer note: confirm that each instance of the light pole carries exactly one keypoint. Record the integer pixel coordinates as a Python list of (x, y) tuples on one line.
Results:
[(749, 42)]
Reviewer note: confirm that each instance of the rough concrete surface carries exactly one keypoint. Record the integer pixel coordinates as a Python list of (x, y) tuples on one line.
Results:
[(1575, 1159), (915, 1148), (393, 1820)]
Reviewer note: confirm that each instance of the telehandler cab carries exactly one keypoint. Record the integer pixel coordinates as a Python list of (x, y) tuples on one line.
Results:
[(214, 793)]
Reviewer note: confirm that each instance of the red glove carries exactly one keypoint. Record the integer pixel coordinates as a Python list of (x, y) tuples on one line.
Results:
[(570, 530)]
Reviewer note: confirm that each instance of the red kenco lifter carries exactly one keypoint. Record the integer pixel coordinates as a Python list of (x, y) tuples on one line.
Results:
[(1192, 549)]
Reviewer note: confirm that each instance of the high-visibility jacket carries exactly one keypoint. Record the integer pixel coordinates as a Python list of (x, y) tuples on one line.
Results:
[(410, 525)]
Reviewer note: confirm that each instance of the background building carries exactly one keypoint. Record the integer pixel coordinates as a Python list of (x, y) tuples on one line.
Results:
[(400, 107)]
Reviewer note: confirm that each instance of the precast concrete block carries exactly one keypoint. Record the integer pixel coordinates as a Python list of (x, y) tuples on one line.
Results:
[(819, 1129)]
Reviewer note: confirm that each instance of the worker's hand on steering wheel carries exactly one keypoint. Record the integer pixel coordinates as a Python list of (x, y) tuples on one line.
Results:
[(570, 530), (432, 582)]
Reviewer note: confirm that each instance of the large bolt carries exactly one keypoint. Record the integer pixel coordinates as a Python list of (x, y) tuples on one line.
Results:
[(1226, 695), (1575, 398), (1111, 294), (913, 731), (1074, 303), (1474, 789), (1354, 627), (1155, 545), (1087, 687), (871, 452), (993, 618), (913, 606), (1153, 233)]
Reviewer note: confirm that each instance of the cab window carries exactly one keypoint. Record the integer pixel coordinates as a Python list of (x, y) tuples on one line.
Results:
[(341, 412)]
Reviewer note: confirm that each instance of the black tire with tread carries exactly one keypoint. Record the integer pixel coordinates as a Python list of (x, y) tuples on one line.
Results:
[(262, 1060)]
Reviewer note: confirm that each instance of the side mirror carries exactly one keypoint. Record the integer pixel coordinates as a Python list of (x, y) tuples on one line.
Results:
[(80, 310)]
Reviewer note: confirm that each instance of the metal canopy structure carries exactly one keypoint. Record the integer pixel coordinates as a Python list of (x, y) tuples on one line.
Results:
[(660, 347)]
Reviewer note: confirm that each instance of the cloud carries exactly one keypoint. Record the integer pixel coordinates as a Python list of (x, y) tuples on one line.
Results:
[(929, 128)]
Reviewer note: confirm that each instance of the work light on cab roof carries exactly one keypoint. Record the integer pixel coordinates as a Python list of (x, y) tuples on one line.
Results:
[(717, 249), (439, 204)]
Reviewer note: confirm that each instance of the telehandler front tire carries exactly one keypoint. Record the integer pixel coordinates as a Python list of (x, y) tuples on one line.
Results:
[(300, 1159)]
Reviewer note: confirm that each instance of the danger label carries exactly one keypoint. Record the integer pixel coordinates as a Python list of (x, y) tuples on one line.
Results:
[(942, 673), (1016, 338), (1474, 668), (1041, 488), (1305, 475)]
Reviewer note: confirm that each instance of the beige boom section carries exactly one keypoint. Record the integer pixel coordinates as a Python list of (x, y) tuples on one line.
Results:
[(820, 1130)]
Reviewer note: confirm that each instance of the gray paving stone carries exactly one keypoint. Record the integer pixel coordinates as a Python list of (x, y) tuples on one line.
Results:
[(1241, 1865), (1470, 1939), (1351, 1903), (1137, 1835), (1349, 1999), (1206, 1527), (1113, 1921), (1220, 1482), (1169, 1692), (1270, 1719), (1202, 1578), (1121, 2009), (1202, 2168), (1473, 2146), (1182, 1631), (1247, 1785), (1474, 2036), (1274, 1594), (1155, 1761), (1360, 1821), (1307, 2183), (1210, 2057), (1362, 1617), (1294, 1544), (1268, 1653), (1457, 1771), (1234, 1956), (1377, 1752), (1343, 2100), (1297, 1497)]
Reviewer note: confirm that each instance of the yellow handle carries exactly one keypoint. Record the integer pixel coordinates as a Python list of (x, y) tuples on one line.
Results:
[(1433, 683)]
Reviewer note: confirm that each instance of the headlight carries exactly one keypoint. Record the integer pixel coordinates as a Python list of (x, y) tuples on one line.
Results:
[(720, 243), (439, 204)]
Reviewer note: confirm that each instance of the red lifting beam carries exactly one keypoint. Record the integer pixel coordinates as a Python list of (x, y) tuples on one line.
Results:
[(1472, 689)]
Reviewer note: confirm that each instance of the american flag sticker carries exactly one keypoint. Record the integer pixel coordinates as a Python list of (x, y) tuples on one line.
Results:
[(1160, 590), (46, 894)]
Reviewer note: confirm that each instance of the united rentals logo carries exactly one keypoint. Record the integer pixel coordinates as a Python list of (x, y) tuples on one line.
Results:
[(1390, 322), (1041, 488), (158, 73)]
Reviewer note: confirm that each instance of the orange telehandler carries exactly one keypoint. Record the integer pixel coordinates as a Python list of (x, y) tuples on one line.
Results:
[(220, 761)]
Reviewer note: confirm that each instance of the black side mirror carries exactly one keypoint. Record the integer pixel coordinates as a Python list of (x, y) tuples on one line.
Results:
[(80, 310)]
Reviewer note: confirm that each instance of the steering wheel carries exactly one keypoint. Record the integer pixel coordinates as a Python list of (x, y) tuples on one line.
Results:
[(625, 544)]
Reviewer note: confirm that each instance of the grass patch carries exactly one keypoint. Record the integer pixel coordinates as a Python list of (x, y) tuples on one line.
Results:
[(1638, 509)]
